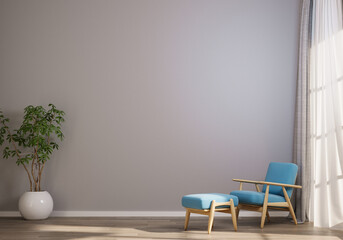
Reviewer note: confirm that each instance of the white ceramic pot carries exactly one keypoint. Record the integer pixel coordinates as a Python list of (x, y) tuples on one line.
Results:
[(35, 205)]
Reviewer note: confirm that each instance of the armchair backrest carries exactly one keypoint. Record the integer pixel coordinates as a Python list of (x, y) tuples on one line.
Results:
[(281, 173)]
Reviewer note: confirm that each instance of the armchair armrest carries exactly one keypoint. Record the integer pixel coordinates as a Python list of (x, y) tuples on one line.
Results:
[(267, 183)]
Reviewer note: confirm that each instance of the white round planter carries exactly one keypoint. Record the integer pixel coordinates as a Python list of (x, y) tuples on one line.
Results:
[(36, 205)]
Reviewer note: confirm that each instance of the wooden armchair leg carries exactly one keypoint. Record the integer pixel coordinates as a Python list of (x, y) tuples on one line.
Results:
[(263, 218), (292, 213), (237, 212), (268, 216), (265, 207), (290, 208), (188, 213), (211, 216)]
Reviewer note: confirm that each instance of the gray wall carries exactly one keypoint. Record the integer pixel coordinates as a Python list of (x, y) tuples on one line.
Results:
[(163, 98)]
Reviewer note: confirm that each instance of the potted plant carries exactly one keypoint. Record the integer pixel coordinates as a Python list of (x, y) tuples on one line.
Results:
[(32, 145)]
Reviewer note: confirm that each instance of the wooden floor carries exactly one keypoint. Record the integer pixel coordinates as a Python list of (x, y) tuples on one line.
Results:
[(159, 228)]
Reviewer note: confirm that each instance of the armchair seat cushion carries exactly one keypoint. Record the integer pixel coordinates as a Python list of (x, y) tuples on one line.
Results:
[(203, 201), (256, 198)]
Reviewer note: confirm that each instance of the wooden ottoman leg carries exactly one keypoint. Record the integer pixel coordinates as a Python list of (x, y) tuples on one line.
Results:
[(233, 214), (188, 213), (211, 216)]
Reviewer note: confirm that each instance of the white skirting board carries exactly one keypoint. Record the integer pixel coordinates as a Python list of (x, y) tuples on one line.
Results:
[(139, 214)]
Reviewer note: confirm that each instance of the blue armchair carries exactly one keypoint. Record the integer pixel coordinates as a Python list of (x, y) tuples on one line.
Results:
[(276, 193)]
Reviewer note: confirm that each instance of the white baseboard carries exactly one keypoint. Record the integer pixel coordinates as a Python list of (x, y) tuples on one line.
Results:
[(9, 214), (138, 214)]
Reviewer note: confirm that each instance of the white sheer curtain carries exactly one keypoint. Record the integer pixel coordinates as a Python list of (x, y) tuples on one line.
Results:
[(326, 113)]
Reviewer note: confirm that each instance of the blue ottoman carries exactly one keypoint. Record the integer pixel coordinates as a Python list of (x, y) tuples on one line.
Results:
[(207, 204)]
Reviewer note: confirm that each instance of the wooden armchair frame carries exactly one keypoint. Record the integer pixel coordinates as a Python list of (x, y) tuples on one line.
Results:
[(283, 206)]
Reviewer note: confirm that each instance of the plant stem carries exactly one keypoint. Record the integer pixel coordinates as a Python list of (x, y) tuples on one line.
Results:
[(33, 174), (41, 168), (40, 175), (28, 174), (36, 180), (33, 161)]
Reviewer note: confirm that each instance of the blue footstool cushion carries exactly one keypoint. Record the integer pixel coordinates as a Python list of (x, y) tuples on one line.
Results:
[(203, 201)]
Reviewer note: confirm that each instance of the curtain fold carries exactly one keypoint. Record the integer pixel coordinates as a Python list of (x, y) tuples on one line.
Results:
[(318, 134), (301, 143), (326, 113)]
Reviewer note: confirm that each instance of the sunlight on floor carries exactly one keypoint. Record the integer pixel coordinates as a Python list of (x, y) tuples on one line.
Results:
[(133, 233), (82, 229)]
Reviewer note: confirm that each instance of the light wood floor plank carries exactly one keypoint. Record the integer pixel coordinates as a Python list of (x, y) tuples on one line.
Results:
[(160, 228)]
